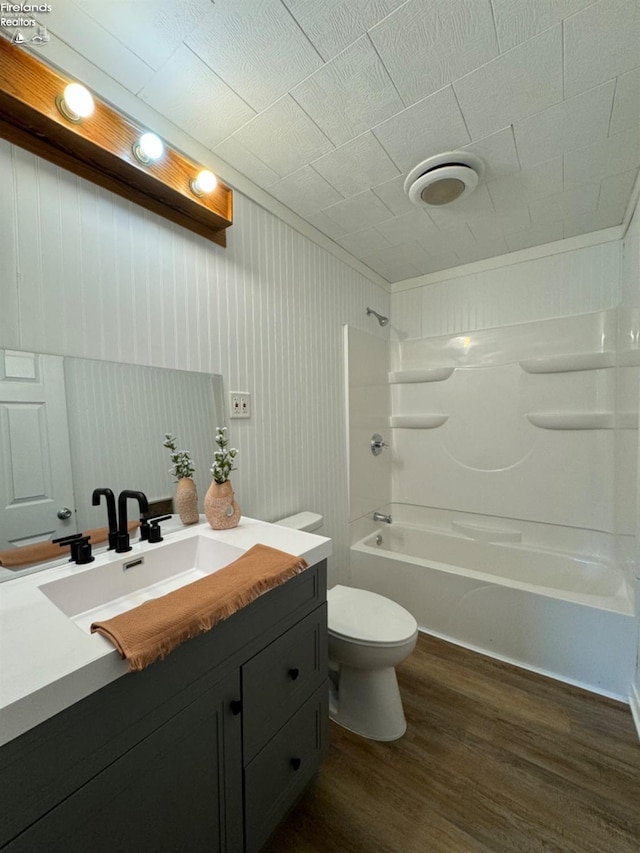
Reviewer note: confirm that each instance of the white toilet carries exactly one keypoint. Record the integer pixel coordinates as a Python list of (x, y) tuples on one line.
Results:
[(369, 635)]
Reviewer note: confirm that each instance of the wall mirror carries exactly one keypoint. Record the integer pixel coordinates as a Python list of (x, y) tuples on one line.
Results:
[(69, 425)]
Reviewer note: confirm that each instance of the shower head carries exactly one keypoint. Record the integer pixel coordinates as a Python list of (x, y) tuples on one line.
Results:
[(382, 320)]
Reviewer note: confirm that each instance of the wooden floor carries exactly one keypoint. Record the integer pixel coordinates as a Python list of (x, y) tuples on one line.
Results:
[(494, 759)]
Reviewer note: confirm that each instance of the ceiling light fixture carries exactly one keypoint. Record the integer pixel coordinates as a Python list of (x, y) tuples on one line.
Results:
[(76, 103), (444, 178), (204, 184), (148, 148)]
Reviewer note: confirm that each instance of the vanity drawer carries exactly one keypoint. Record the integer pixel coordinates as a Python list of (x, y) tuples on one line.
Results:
[(279, 773), (277, 680)]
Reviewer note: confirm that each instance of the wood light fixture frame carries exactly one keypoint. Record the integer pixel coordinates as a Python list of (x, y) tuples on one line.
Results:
[(100, 147)]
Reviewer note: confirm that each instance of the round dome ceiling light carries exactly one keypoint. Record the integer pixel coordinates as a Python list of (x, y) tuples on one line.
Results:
[(444, 179)]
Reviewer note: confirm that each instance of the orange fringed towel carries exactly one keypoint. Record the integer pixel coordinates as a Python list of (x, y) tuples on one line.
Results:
[(41, 551), (149, 632)]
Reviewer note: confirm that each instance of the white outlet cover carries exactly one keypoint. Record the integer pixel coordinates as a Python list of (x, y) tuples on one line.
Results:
[(239, 404)]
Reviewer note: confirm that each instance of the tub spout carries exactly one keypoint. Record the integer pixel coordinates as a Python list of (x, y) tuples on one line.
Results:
[(380, 516)]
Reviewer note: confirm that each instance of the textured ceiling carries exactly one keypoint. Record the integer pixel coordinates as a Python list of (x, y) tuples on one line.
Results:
[(328, 104)]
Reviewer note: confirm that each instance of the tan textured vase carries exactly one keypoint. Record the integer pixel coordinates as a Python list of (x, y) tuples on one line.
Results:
[(221, 507), (187, 501)]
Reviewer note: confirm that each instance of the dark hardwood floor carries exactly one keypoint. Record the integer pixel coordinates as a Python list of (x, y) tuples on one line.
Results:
[(495, 760)]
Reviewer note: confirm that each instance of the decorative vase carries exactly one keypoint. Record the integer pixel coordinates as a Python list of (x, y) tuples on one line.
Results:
[(220, 506), (187, 501)]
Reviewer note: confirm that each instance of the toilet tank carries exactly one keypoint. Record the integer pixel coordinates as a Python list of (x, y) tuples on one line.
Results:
[(308, 521)]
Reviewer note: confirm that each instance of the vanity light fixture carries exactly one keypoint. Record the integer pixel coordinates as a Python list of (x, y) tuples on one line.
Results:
[(76, 103), (109, 149), (148, 148), (205, 183)]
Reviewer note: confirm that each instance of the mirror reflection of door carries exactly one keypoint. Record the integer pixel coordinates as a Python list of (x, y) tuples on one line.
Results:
[(35, 459)]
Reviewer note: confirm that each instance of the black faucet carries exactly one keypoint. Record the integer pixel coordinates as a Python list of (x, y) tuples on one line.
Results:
[(122, 537), (111, 513)]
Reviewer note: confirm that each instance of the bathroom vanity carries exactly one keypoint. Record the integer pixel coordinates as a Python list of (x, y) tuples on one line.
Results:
[(203, 751)]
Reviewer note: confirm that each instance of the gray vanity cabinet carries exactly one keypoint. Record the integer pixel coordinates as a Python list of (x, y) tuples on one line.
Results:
[(204, 751), (178, 789)]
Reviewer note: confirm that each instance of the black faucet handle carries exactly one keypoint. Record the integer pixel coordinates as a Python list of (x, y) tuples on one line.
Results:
[(72, 541), (155, 534), (79, 546), (144, 528), (66, 540), (83, 551)]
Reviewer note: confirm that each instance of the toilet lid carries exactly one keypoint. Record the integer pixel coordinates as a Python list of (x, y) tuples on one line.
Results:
[(366, 616)]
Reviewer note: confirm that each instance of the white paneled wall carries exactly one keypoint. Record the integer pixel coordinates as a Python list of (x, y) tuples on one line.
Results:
[(85, 273), (574, 282)]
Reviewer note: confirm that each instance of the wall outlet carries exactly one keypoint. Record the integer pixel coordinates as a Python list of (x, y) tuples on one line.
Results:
[(239, 404)]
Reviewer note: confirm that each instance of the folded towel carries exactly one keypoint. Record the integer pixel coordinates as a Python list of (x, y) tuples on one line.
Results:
[(149, 632), (42, 551)]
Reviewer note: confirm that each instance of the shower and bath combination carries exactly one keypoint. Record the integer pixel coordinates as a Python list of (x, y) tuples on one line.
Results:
[(382, 320)]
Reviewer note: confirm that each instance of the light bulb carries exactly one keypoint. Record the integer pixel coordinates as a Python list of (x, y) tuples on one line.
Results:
[(76, 103), (148, 148), (205, 183)]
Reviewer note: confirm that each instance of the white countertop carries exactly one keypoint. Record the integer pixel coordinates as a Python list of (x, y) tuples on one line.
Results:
[(47, 663)]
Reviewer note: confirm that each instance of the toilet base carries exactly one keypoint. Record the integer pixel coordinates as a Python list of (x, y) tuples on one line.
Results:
[(368, 703)]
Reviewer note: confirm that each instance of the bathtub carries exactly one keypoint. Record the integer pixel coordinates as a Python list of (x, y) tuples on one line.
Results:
[(561, 614)]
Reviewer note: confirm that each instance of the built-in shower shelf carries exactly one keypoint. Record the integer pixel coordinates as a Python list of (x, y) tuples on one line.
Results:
[(569, 362), (426, 374), (417, 421), (573, 420)]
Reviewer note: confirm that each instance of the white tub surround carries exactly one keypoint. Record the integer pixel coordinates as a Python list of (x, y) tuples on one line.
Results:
[(539, 604), (367, 407), (520, 404), (49, 662)]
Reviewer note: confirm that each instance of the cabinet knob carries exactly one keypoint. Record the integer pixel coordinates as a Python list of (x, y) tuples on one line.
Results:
[(236, 706), (294, 672), (295, 763)]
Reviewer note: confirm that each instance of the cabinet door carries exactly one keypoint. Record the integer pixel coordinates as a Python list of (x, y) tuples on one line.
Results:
[(180, 789), (280, 678), (284, 767)]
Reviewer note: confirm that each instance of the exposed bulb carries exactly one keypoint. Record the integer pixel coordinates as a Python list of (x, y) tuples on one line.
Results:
[(76, 102), (205, 183), (148, 148)]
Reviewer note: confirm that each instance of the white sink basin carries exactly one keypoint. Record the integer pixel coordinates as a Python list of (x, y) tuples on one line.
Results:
[(112, 586)]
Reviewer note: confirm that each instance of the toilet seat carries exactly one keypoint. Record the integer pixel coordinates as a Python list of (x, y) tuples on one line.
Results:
[(365, 617)]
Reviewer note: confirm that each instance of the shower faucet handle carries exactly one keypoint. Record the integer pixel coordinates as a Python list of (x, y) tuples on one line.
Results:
[(377, 444)]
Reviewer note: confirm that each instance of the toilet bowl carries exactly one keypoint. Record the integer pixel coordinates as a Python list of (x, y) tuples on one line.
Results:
[(369, 635)]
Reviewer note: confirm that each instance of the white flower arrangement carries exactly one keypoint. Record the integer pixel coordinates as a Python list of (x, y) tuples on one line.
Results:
[(223, 458), (181, 459)]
